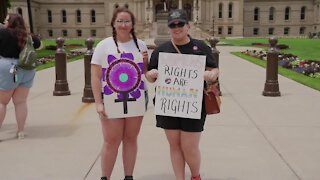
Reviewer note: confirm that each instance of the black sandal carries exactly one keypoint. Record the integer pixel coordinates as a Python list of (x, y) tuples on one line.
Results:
[(128, 178)]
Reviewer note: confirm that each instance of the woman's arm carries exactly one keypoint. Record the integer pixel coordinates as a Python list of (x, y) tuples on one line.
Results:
[(96, 75), (152, 73), (145, 61)]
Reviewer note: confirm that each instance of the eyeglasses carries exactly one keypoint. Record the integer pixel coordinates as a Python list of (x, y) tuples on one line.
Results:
[(179, 25), (123, 22)]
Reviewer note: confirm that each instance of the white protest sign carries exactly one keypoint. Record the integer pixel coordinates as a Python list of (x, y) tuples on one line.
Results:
[(123, 85), (179, 87)]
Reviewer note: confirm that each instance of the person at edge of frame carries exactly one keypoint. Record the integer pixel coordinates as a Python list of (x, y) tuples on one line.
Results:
[(15, 82)]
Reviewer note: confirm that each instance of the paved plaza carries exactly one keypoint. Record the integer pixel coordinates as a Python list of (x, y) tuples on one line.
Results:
[(253, 138)]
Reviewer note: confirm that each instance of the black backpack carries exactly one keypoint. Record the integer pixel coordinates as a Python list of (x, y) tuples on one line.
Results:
[(28, 56)]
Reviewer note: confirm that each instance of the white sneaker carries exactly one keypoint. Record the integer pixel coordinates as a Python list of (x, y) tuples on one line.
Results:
[(20, 135)]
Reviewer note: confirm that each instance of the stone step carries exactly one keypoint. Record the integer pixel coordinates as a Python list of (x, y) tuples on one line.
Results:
[(195, 32)]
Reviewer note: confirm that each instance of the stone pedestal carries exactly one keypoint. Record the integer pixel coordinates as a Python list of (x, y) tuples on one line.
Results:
[(162, 28), (87, 91), (61, 86), (271, 86)]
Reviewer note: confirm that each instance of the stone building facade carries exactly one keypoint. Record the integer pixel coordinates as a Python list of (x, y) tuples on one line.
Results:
[(228, 18)]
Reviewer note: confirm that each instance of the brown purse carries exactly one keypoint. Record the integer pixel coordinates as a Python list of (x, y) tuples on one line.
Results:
[(212, 99)]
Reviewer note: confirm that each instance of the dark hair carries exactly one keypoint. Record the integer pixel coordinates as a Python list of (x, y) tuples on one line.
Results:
[(17, 26), (114, 33)]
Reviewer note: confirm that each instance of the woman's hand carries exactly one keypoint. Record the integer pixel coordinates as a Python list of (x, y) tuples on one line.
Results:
[(96, 75), (211, 75), (145, 56), (101, 111), (152, 75), (145, 60)]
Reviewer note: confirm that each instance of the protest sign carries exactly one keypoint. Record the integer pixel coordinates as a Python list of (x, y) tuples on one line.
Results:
[(123, 85), (179, 87)]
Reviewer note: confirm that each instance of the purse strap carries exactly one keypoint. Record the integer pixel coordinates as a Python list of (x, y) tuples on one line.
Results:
[(175, 46), (177, 49)]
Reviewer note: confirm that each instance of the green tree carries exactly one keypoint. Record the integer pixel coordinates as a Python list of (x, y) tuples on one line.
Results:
[(8, 3)]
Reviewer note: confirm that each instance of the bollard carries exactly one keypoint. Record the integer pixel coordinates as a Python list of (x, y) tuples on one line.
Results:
[(271, 86), (61, 87), (87, 91), (213, 43)]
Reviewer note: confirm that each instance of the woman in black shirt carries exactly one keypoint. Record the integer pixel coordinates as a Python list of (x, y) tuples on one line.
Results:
[(15, 82), (183, 134)]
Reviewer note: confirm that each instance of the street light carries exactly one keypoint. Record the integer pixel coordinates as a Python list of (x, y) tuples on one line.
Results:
[(30, 16), (3, 10)]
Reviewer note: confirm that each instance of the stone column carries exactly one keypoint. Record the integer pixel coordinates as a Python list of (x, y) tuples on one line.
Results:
[(199, 11), (197, 15), (194, 10), (146, 7), (149, 16), (151, 11), (180, 4), (139, 12)]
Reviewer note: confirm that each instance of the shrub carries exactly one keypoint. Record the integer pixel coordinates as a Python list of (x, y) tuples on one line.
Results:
[(51, 47), (282, 46)]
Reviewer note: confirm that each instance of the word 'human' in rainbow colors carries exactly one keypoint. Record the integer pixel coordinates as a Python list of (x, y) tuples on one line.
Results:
[(177, 92)]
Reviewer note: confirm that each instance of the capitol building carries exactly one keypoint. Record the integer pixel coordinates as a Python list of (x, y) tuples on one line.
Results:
[(221, 18)]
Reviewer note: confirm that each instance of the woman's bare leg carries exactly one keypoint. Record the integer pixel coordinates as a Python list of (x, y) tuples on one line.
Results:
[(5, 97), (130, 143), (190, 147), (176, 153), (112, 134), (19, 99)]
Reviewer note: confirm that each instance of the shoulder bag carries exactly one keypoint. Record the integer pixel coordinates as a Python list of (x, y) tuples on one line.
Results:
[(212, 99)]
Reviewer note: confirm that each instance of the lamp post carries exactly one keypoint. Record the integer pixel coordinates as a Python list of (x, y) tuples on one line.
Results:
[(30, 16), (3, 10)]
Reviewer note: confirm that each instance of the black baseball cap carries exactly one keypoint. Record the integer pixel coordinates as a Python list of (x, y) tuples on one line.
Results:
[(177, 15)]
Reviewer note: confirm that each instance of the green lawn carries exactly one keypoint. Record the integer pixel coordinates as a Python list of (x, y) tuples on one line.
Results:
[(298, 77), (303, 48), (47, 42), (43, 52)]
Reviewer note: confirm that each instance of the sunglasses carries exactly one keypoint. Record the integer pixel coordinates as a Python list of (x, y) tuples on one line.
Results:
[(179, 25)]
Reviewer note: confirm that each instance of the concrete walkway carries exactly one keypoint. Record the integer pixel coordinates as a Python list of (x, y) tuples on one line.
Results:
[(253, 138)]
